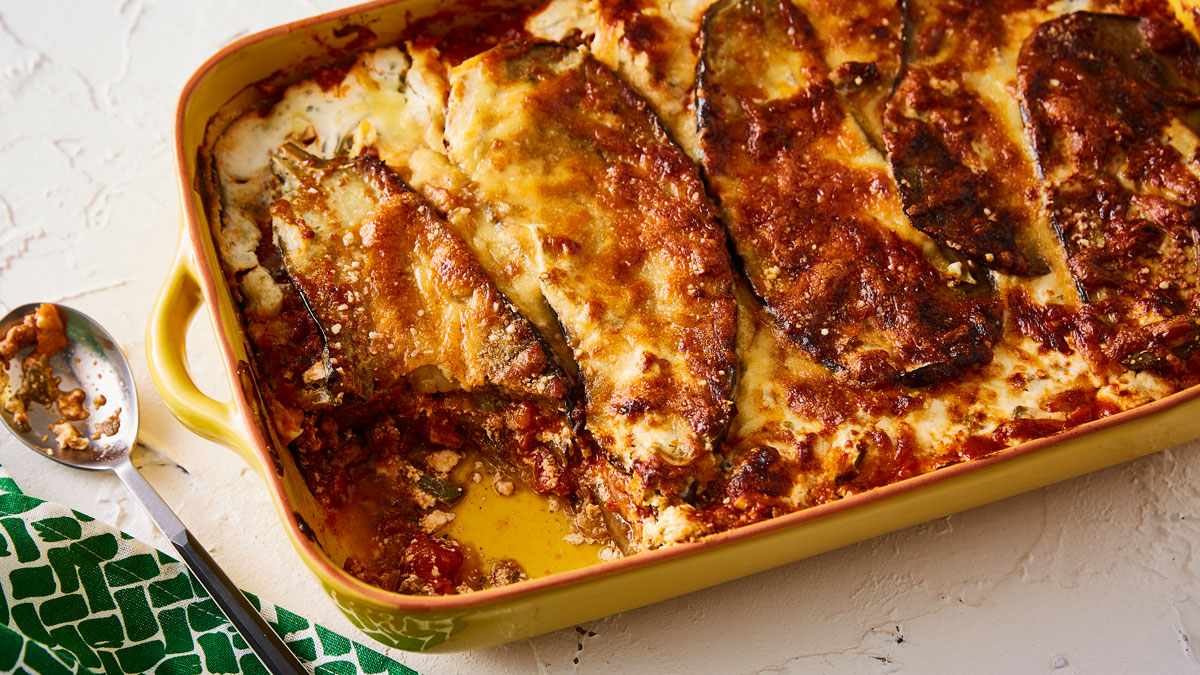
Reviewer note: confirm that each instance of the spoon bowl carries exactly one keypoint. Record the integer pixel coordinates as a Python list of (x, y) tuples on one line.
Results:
[(92, 362)]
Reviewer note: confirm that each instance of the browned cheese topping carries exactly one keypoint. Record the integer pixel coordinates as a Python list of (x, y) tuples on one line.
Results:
[(640, 38), (812, 212), (654, 46), (1112, 104), (651, 44)]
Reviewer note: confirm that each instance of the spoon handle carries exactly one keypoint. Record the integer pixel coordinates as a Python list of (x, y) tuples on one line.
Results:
[(268, 646)]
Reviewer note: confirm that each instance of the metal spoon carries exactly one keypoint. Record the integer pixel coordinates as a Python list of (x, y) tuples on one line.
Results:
[(93, 362)]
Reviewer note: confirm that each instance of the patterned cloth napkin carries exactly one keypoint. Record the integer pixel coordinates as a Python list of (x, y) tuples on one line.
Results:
[(77, 596)]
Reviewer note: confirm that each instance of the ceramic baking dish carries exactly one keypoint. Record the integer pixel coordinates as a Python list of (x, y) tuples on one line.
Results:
[(562, 599)]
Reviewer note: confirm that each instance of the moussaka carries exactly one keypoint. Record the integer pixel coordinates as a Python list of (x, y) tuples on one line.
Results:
[(678, 267)]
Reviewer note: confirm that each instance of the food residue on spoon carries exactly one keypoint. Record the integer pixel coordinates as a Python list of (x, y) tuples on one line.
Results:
[(67, 436), (70, 405), (43, 329), (108, 427)]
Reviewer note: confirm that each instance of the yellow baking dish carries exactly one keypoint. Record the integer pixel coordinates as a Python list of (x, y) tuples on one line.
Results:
[(569, 596)]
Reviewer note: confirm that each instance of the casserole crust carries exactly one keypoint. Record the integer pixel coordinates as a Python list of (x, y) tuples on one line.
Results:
[(559, 192)]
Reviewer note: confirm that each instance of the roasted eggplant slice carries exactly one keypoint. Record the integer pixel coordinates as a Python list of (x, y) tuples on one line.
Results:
[(954, 134), (1113, 106), (813, 213), (590, 190), (395, 293)]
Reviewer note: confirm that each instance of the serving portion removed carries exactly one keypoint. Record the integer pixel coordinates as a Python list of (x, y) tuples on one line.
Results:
[(675, 268)]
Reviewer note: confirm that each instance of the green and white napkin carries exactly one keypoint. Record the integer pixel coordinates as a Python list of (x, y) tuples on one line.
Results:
[(77, 596)]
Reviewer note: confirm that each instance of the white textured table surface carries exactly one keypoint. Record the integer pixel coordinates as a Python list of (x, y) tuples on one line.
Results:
[(1097, 575)]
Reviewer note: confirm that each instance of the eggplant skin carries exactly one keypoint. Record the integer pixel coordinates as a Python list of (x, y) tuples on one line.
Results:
[(591, 190), (813, 214), (1111, 104), (400, 300)]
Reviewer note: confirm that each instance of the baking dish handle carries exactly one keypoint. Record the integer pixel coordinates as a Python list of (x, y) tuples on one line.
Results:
[(166, 349)]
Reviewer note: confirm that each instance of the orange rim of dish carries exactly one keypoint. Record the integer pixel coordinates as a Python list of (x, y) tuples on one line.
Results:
[(324, 567)]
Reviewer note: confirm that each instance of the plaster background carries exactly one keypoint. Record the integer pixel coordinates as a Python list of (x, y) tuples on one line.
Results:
[(1096, 575)]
